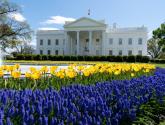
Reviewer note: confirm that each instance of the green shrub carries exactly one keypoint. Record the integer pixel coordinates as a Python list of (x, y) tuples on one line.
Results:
[(103, 58), (44, 57), (139, 58), (125, 58), (118, 59), (145, 59), (131, 58), (66, 58), (19, 57), (80, 58), (96, 58), (50, 57), (28, 57), (37, 57), (73, 58), (162, 61)]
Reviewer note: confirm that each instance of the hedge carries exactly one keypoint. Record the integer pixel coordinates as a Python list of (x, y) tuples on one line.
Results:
[(137, 58), (162, 61)]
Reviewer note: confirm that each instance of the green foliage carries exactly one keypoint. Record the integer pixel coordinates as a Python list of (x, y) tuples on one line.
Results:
[(137, 58), (156, 45), (151, 113)]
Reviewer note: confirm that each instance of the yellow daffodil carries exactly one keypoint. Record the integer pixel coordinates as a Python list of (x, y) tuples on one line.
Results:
[(27, 75), (71, 74), (1, 73), (16, 74), (53, 69), (132, 74), (33, 69), (35, 75), (117, 72), (44, 69), (86, 73)]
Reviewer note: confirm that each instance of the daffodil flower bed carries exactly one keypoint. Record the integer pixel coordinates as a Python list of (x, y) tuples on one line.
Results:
[(106, 103), (52, 77)]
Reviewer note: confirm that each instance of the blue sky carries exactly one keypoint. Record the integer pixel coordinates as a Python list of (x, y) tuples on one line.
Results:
[(126, 13)]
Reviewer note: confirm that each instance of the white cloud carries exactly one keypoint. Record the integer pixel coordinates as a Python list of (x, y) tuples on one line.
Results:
[(58, 20), (17, 16), (47, 28)]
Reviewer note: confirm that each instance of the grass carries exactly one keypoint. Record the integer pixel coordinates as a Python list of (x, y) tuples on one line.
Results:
[(63, 62)]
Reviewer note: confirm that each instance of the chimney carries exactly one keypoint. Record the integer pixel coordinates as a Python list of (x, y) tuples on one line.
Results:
[(114, 25)]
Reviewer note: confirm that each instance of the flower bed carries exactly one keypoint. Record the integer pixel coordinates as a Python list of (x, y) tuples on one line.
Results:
[(111, 103), (52, 77)]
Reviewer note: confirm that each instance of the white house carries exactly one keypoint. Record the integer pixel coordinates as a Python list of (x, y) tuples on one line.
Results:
[(86, 36)]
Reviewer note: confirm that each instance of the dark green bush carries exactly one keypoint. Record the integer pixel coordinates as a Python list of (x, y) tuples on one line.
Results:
[(28, 57), (44, 57), (19, 57), (131, 58), (66, 58), (103, 58), (80, 58), (111, 58), (125, 58), (73, 58), (158, 61), (138, 58), (118, 59), (145, 59), (37, 57), (50, 57), (96, 58)]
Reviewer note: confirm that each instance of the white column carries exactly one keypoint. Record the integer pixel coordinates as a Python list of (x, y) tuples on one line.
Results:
[(78, 42), (103, 43), (90, 42), (71, 42), (65, 46)]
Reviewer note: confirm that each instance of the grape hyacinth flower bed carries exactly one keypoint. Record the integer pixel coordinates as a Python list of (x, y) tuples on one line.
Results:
[(110, 103)]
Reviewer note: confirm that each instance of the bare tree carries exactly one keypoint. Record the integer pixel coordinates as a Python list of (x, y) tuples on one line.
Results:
[(11, 30)]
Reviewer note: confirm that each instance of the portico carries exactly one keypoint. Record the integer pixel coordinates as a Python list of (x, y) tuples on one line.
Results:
[(84, 37)]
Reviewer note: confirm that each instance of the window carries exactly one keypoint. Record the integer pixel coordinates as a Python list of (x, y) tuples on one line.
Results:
[(120, 52), (56, 52), (130, 41), (97, 40), (41, 42), (97, 52), (120, 41), (57, 42), (41, 52), (49, 52), (87, 40), (110, 52), (140, 40), (129, 52), (110, 41), (49, 42), (140, 52)]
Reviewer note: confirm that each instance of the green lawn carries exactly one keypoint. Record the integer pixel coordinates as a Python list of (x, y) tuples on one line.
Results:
[(160, 65), (62, 62)]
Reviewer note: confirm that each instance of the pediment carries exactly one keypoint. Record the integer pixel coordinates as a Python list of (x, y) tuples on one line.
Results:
[(85, 22)]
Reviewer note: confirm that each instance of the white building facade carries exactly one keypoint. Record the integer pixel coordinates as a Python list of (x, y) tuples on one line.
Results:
[(86, 36)]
